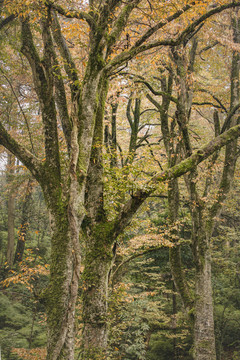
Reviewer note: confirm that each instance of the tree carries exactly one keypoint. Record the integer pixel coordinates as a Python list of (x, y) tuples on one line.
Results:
[(24, 223), (72, 181), (11, 208), (178, 144), (203, 216)]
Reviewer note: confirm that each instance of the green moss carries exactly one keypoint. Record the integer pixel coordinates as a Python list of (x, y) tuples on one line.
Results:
[(93, 354), (99, 254), (100, 61), (54, 295), (175, 259), (102, 232), (191, 314)]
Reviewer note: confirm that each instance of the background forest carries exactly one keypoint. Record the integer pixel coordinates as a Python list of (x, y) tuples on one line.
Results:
[(119, 180)]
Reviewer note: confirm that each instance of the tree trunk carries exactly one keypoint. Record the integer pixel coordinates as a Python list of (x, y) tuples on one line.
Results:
[(203, 334), (24, 224), (11, 216), (98, 256), (61, 294), (11, 210), (95, 297), (204, 337)]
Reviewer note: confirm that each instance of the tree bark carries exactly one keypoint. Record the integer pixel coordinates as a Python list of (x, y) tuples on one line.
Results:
[(95, 298), (24, 224), (10, 209), (98, 257), (204, 337), (61, 294)]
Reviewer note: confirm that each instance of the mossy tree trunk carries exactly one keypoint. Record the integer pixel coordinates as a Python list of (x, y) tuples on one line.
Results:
[(98, 248), (60, 297), (204, 337), (10, 209), (98, 263), (22, 235)]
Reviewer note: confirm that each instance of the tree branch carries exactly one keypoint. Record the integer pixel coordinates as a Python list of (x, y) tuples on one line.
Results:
[(214, 97), (25, 156), (162, 23), (135, 256), (43, 81), (130, 208), (7, 20), (157, 93), (141, 45), (21, 109), (206, 103), (69, 64), (81, 15), (229, 117), (121, 22), (204, 17), (61, 101)]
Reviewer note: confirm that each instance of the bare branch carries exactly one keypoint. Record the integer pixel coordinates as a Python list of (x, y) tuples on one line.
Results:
[(69, 64), (229, 117), (206, 103), (162, 23), (214, 97), (135, 256), (137, 199), (157, 93), (21, 109), (25, 156), (141, 45)]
